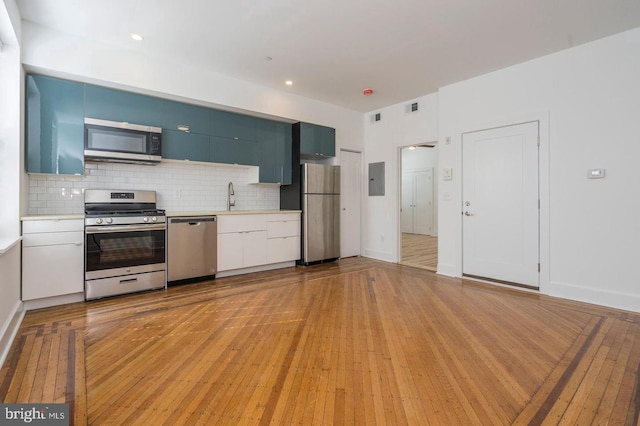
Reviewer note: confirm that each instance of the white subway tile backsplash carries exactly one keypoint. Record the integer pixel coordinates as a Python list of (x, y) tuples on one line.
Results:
[(179, 187)]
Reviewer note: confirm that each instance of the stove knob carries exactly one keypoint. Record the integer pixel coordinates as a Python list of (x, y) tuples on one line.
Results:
[(145, 220), (109, 220), (98, 221), (154, 219)]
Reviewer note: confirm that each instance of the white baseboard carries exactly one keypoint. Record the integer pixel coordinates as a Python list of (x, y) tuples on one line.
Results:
[(9, 330), (255, 269), (46, 302), (626, 301), (379, 255), (448, 270)]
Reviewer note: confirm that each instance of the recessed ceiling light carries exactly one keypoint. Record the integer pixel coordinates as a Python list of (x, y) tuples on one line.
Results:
[(137, 37), (288, 83)]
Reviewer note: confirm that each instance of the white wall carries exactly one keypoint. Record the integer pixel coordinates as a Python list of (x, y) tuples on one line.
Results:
[(56, 54), (397, 128), (588, 100), (10, 173)]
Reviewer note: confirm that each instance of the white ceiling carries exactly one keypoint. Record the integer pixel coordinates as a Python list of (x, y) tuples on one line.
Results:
[(333, 49)]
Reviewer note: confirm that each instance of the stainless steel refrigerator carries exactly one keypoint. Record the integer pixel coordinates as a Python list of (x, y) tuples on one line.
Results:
[(320, 199)]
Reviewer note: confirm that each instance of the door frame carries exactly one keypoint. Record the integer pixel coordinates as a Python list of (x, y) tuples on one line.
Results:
[(436, 187), (543, 118)]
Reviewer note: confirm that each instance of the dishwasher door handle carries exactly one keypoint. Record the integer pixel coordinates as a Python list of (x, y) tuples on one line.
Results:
[(192, 220)]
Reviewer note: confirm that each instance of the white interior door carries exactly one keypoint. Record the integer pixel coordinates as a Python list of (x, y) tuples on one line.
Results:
[(423, 205), (350, 194), (406, 218), (417, 202), (500, 221)]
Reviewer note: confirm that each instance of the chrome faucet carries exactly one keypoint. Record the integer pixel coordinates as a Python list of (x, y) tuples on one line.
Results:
[(230, 192)]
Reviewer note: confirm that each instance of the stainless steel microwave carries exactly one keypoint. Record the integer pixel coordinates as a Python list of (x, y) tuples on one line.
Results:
[(121, 142)]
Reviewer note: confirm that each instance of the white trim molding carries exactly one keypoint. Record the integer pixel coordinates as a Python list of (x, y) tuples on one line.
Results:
[(9, 330)]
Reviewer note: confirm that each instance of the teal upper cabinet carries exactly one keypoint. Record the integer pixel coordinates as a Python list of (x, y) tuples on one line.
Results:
[(231, 125), (54, 126), (116, 105), (234, 151), (275, 152), (317, 141), (176, 115), (55, 129), (178, 145)]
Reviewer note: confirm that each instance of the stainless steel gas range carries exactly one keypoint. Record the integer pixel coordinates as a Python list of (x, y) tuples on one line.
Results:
[(124, 243)]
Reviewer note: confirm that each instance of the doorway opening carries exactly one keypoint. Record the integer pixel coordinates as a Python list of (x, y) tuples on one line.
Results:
[(419, 206)]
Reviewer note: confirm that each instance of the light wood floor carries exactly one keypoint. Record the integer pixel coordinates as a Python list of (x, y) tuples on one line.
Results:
[(354, 342), (420, 251)]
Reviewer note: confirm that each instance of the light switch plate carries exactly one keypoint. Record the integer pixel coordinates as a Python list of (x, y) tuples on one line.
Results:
[(595, 173)]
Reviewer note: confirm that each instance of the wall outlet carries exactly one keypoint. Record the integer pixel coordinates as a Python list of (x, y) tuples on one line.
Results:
[(447, 173)]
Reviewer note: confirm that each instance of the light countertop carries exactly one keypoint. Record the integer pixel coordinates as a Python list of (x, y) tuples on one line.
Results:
[(232, 212), (169, 214), (53, 217)]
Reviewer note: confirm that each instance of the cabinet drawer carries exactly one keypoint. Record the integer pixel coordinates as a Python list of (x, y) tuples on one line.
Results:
[(52, 271), (283, 249), (281, 217), (289, 228), (52, 225), (53, 238), (242, 223)]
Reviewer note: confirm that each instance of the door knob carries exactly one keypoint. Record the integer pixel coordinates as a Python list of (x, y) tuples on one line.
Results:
[(468, 213)]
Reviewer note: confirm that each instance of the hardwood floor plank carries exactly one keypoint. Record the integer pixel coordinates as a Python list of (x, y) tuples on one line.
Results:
[(627, 405), (420, 251), (351, 342)]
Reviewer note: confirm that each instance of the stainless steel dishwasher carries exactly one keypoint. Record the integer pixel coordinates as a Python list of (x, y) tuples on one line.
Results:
[(192, 248)]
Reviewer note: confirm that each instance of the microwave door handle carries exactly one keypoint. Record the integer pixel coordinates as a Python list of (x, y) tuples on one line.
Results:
[(106, 229)]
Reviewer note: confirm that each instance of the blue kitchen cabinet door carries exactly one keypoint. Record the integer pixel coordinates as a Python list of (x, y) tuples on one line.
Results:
[(54, 126), (317, 141), (234, 151), (275, 153), (231, 125), (285, 131), (196, 118), (177, 145), (117, 105)]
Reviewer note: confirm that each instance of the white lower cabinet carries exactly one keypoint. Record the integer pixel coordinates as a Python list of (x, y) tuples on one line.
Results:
[(283, 237), (283, 249), (52, 258), (242, 241), (241, 250), (254, 240)]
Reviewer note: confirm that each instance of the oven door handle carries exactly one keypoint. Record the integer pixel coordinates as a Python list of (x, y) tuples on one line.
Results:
[(124, 228)]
